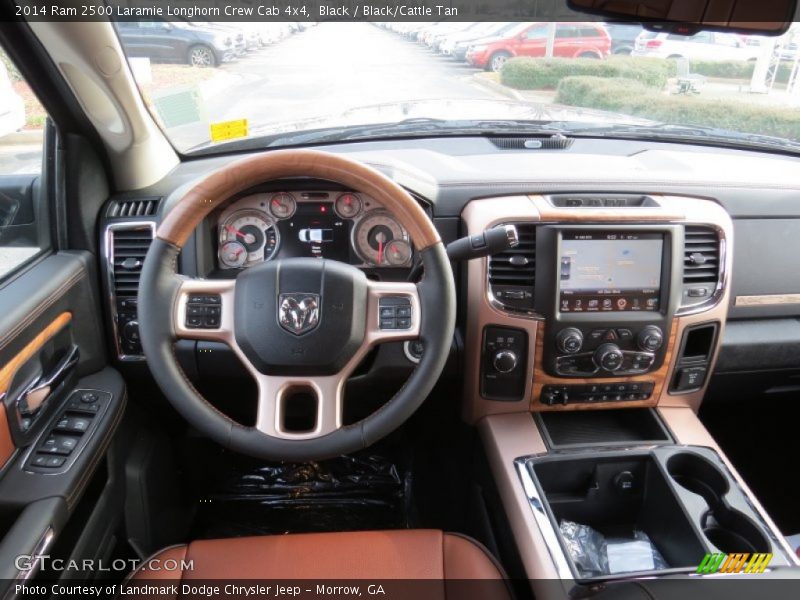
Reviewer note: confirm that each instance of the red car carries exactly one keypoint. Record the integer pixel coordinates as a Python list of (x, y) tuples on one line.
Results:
[(573, 40)]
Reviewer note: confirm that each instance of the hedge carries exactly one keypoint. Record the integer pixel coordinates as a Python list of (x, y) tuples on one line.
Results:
[(546, 73), (633, 98), (731, 69)]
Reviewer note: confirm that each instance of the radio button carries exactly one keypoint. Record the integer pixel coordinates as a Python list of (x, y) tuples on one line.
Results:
[(595, 335)]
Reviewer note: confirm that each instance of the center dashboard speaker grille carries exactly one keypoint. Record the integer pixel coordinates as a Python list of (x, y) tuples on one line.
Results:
[(512, 273)]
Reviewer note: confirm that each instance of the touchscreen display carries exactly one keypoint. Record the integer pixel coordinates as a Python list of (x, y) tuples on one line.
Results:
[(610, 272)]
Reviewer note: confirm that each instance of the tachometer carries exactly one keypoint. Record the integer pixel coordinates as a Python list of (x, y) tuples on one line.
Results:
[(372, 235), (254, 231)]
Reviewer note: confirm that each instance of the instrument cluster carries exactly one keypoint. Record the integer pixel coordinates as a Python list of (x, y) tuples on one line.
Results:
[(344, 226)]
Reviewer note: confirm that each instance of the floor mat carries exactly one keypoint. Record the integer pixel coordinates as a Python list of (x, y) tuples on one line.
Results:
[(349, 493)]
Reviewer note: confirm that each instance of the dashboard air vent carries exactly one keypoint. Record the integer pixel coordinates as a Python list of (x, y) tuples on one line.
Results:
[(700, 255), (128, 249), (523, 143), (512, 273), (140, 207)]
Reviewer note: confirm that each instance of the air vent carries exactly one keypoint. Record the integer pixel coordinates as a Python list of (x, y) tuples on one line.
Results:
[(128, 249), (140, 207), (512, 273), (526, 143), (700, 255)]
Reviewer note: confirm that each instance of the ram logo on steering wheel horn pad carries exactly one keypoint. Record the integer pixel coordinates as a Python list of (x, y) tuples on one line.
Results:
[(298, 312)]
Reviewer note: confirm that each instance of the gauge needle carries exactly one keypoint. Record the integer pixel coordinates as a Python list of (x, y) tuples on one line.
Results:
[(381, 239), (248, 238), (233, 230)]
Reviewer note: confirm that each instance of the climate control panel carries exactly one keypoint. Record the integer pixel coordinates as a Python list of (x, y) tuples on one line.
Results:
[(606, 351)]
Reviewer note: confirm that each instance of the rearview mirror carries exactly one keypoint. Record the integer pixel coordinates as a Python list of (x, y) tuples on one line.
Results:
[(765, 17)]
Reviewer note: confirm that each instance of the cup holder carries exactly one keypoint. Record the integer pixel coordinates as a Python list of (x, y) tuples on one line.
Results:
[(728, 529), (698, 475)]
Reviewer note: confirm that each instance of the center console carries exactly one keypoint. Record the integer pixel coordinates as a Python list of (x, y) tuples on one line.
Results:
[(591, 345), (612, 301), (595, 306)]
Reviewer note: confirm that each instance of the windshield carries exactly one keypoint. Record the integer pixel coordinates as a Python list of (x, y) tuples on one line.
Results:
[(271, 84)]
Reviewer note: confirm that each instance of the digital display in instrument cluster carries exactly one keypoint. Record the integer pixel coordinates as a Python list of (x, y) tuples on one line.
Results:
[(316, 231), (610, 272)]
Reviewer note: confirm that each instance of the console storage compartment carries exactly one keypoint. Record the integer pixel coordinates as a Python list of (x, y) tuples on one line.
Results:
[(682, 497), (614, 427), (616, 496)]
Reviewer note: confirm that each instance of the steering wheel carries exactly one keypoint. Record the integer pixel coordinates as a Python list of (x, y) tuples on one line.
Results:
[(299, 325)]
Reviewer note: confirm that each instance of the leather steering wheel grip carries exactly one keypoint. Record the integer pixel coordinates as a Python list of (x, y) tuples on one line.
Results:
[(160, 285), (216, 188)]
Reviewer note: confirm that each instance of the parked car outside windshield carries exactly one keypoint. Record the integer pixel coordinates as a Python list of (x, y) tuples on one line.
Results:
[(211, 85)]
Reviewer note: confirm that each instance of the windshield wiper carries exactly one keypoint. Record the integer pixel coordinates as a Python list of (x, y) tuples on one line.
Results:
[(668, 132), (424, 126), (416, 127)]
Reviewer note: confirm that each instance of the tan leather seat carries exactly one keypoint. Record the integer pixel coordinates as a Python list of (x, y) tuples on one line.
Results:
[(375, 555)]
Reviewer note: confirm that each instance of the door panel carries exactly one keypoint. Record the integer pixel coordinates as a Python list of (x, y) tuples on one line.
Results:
[(52, 355)]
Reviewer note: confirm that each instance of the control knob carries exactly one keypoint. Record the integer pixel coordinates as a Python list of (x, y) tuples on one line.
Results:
[(569, 340), (650, 338), (504, 361), (130, 332), (608, 357)]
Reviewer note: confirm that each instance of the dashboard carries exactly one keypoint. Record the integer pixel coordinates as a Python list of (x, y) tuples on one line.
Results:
[(339, 225), (636, 259)]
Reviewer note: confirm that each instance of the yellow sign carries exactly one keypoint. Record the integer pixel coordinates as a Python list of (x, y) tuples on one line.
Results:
[(228, 130)]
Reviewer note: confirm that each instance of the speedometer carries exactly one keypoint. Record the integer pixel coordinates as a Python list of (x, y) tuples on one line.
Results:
[(255, 231), (372, 235)]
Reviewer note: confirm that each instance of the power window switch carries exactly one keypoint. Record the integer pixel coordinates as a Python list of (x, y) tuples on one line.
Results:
[(40, 460), (59, 444), (73, 424)]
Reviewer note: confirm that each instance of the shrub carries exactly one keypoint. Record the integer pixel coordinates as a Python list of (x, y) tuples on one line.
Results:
[(731, 69), (545, 73), (636, 99), (13, 72)]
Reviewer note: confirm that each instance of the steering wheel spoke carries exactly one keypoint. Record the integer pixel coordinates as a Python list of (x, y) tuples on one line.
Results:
[(323, 395), (315, 401), (300, 326), (204, 310)]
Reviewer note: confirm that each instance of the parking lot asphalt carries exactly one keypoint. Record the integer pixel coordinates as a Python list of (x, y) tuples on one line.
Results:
[(333, 67)]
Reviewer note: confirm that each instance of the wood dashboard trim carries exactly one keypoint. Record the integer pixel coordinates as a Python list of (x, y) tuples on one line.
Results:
[(541, 378), (481, 214), (7, 371)]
